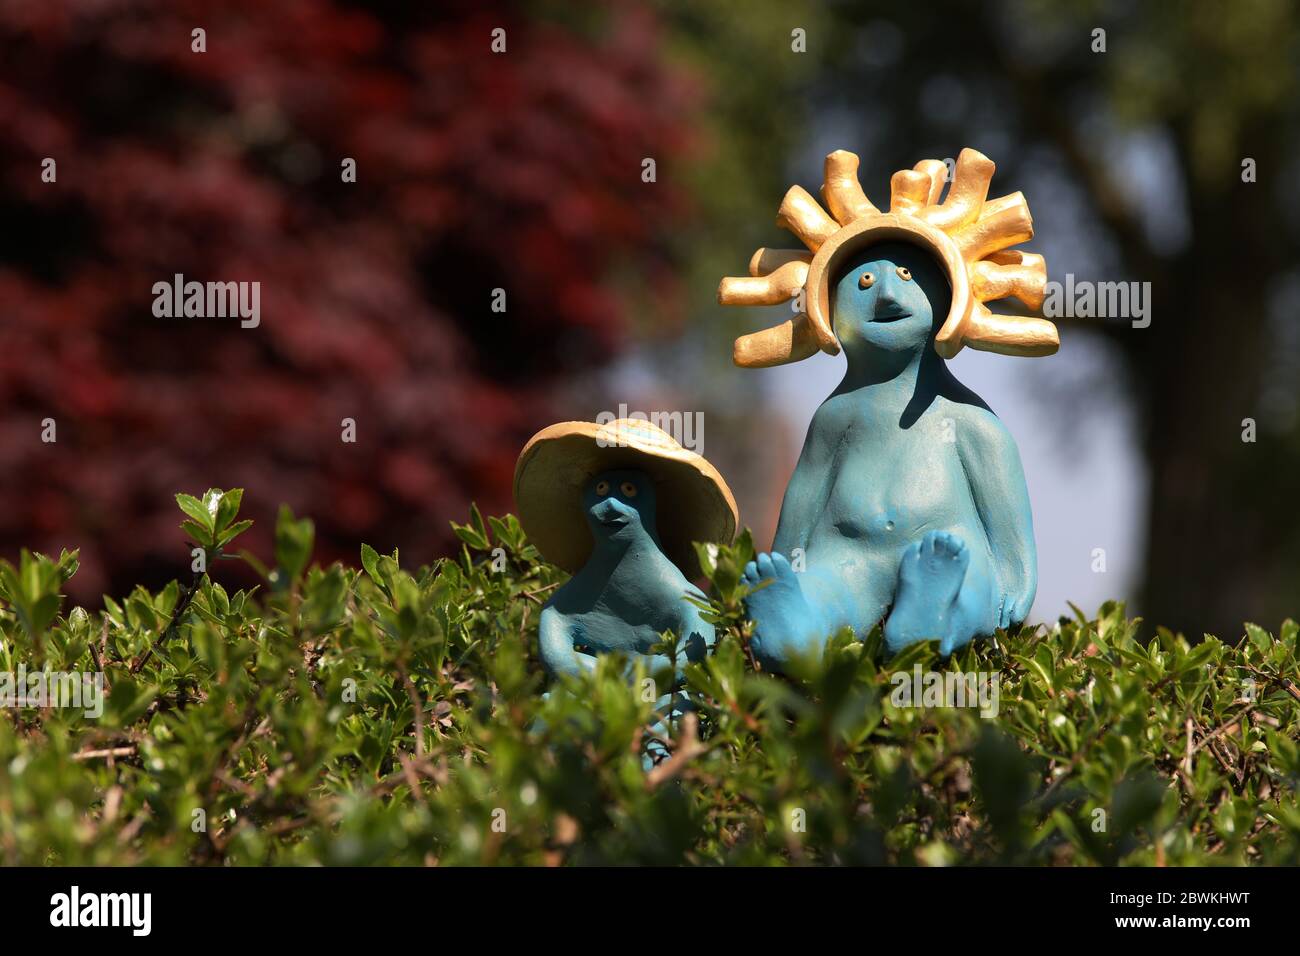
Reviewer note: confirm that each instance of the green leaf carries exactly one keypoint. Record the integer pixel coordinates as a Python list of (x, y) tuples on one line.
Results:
[(199, 534), (1259, 637), (293, 543), (228, 507), (197, 511), (234, 531), (370, 561)]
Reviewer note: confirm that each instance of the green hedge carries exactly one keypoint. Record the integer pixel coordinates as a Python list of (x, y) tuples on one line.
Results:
[(384, 716)]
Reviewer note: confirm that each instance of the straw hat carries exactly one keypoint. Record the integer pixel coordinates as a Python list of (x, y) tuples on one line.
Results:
[(693, 502), (969, 234)]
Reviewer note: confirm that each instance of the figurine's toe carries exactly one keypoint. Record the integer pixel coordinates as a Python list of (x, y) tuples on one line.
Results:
[(781, 566), (939, 560), (785, 625)]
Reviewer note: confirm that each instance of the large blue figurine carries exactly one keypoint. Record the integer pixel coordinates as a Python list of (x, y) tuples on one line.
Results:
[(908, 504), (619, 505)]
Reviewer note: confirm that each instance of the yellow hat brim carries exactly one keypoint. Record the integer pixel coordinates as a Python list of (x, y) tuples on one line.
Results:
[(693, 502), (832, 258)]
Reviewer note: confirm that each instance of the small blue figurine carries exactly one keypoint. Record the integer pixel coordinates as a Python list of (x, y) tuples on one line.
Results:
[(619, 505), (908, 504)]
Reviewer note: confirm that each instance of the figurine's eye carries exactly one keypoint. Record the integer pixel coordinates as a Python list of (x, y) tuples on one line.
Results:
[(905, 273), (602, 488), (628, 489), (866, 280)]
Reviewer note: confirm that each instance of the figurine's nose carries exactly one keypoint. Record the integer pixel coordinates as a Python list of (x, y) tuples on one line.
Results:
[(610, 508), (888, 299)]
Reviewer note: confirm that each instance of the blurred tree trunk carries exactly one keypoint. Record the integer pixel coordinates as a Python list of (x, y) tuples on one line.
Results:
[(1214, 537)]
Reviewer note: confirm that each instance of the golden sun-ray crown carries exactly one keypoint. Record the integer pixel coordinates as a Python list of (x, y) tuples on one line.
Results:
[(971, 235)]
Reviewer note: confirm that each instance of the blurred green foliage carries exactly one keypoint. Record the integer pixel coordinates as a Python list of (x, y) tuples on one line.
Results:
[(383, 716)]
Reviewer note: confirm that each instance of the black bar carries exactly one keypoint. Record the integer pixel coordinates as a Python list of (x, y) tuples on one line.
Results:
[(317, 905)]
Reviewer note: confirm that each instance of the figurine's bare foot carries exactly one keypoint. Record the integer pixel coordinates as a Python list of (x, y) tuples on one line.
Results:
[(929, 580), (785, 626)]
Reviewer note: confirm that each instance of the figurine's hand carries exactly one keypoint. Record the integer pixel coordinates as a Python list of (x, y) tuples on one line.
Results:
[(556, 646), (1004, 611), (1011, 610)]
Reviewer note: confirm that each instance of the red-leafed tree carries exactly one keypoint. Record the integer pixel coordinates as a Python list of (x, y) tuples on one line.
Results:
[(475, 170)]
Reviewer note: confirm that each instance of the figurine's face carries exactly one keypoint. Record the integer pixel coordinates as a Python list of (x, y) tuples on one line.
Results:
[(619, 504), (893, 297)]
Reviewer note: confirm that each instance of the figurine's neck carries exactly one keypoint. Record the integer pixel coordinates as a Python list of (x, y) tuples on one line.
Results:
[(889, 372), (609, 557)]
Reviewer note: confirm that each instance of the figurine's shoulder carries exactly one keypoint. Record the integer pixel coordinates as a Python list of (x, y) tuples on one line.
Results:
[(577, 595), (846, 411), (977, 431)]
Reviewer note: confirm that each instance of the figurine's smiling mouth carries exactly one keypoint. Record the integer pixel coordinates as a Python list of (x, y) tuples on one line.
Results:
[(891, 316), (617, 521)]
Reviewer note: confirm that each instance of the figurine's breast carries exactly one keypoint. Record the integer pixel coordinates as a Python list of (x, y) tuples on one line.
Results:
[(877, 525), (886, 486), (629, 609)]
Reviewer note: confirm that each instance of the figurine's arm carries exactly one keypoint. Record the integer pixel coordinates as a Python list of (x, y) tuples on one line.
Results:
[(803, 496), (556, 645), (997, 483)]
